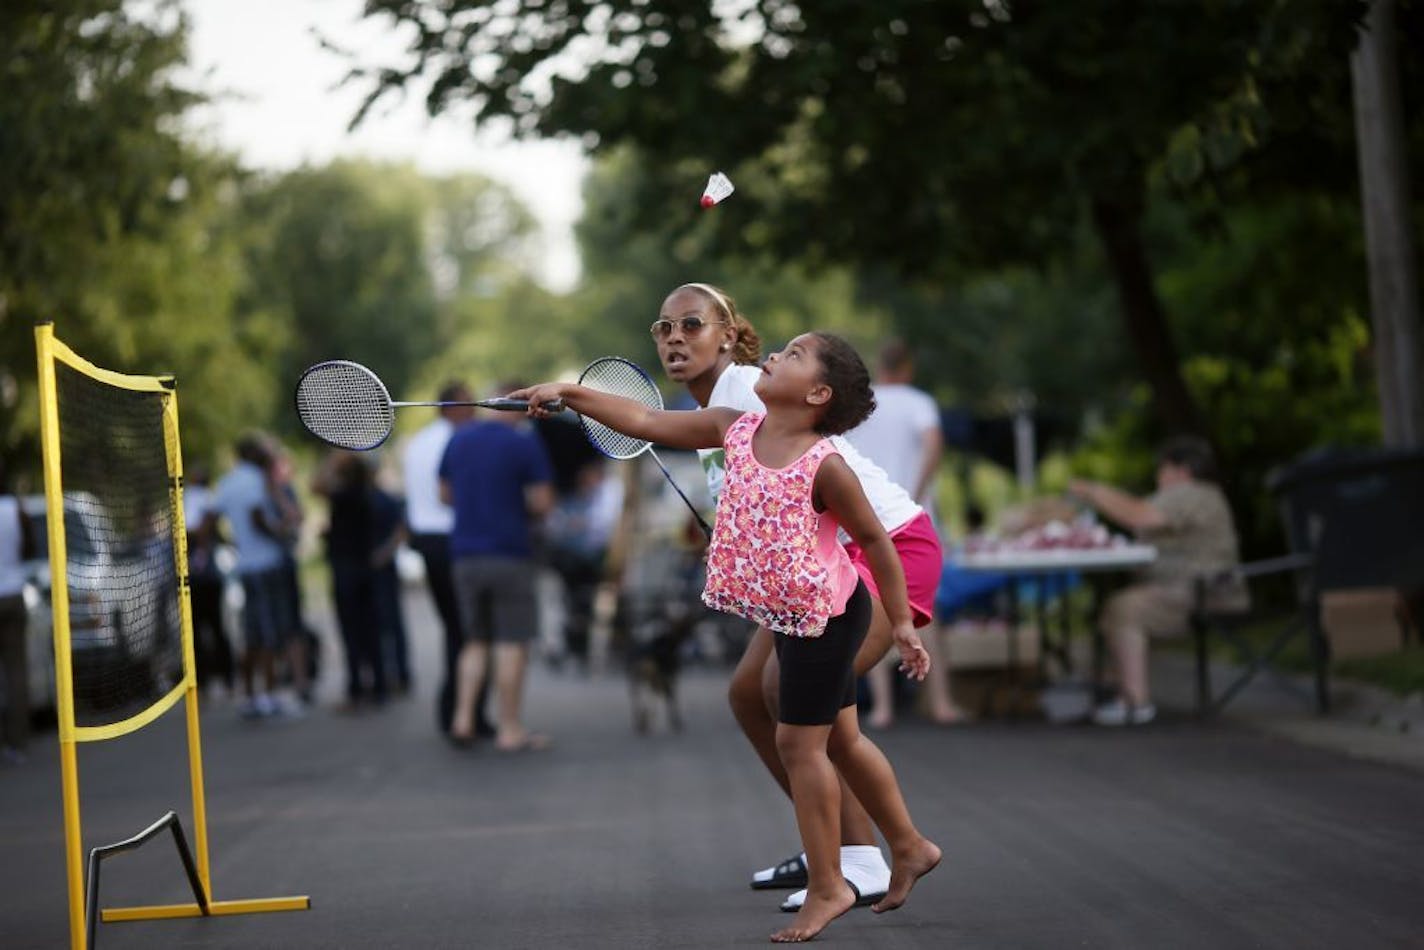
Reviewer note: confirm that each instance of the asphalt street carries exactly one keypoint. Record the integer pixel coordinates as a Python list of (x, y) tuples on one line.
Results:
[(1175, 835)]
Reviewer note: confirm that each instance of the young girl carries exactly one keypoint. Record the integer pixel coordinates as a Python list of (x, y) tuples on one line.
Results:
[(775, 559), (705, 344)]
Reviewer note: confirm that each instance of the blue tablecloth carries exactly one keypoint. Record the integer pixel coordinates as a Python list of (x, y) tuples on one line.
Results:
[(977, 591)]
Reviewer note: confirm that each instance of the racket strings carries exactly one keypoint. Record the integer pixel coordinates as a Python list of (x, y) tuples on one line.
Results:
[(620, 378), (346, 405)]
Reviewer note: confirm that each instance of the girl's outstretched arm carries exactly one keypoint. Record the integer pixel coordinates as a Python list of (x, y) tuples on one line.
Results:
[(840, 493), (697, 429)]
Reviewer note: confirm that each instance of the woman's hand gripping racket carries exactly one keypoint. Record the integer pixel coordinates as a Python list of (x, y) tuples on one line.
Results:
[(620, 377), (346, 405)]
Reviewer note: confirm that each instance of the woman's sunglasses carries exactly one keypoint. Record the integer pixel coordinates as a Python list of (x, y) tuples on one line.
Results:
[(691, 326)]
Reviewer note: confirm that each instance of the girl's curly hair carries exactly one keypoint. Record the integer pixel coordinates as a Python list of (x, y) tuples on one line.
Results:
[(842, 369)]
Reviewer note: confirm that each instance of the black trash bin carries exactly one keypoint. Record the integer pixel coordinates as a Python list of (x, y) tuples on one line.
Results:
[(1360, 512)]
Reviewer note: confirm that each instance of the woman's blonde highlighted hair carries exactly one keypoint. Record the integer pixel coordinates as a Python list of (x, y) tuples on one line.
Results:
[(746, 351)]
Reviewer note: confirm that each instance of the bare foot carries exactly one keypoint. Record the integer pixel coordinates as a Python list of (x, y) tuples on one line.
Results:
[(948, 716), (905, 870), (527, 742), (813, 916), (880, 719)]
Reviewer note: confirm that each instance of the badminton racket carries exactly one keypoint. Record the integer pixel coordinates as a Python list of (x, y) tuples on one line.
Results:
[(346, 405), (620, 377)]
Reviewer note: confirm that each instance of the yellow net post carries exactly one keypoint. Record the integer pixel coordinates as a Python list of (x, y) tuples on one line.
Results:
[(173, 448), (63, 672)]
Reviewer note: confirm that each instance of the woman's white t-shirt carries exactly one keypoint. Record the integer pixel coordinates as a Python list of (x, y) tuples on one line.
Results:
[(734, 390)]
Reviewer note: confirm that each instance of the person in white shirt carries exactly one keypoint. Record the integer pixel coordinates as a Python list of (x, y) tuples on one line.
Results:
[(706, 345), (903, 436), (212, 650), (430, 521), (903, 433)]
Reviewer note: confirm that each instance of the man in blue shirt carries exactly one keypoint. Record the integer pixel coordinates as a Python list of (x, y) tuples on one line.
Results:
[(497, 477)]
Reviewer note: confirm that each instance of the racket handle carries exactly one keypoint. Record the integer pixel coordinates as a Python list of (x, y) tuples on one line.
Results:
[(519, 405)]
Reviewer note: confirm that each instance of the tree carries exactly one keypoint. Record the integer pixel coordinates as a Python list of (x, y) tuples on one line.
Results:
[(981, 342), (1394, 267), (110, 224), (930, 138), (382, 265)]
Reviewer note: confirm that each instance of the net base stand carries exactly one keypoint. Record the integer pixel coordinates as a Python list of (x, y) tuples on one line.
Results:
[(257, 905), (201, 907)]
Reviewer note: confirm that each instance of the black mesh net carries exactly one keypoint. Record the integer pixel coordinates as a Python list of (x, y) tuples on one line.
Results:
[(124, 626)]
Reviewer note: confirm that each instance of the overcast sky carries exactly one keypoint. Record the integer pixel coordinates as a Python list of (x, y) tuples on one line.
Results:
[(279, 108)]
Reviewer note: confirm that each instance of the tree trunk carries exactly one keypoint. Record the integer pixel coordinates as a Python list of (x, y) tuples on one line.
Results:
[(1118, 221), (1384, 195)]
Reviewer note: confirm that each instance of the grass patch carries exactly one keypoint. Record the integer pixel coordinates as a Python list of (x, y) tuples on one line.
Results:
[(1402, 673)]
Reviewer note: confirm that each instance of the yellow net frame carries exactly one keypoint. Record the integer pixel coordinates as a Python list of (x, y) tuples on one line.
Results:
[(51, 351)]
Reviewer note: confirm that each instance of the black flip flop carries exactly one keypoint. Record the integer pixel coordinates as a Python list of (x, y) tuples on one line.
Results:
[(790, 873)]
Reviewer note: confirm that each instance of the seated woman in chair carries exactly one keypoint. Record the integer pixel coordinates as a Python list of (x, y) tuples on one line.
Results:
[(1189, 521)]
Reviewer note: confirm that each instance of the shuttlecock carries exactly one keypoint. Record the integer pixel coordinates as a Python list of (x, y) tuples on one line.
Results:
[(719, 186)]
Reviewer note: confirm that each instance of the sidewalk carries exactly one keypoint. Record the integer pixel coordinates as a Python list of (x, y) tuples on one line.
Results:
[(1364, 721)]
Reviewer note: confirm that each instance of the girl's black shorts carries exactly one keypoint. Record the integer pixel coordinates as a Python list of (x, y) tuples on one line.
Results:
[(818, 673)]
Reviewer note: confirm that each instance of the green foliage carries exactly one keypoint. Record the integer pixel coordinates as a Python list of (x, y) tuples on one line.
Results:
[(110, 225), (1401, 673), (154, 257), (378, 264), (938, 171), (630, 266), (1276, 346), (341, 255), (1275, 349), (946, 143)]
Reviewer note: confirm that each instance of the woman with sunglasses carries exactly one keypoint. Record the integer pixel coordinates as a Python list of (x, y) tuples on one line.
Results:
[(707, 346)]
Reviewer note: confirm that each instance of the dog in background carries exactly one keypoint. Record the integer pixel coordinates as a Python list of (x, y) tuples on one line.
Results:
[(654, 663)]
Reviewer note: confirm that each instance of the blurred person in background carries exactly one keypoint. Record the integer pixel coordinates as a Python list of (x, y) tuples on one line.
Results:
[(17, 545), (287, 528), (388, 522), (579, 531), (430, 521), (243, 499), (903, 433), (497, 476), (212, 651), (354, 548), (1189, 521), (903, 437)]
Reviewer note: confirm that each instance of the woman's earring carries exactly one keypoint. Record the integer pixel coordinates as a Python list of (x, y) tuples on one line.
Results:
[(723, 347)]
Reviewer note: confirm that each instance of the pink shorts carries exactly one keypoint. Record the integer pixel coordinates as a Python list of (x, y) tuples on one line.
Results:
[(921, 558)]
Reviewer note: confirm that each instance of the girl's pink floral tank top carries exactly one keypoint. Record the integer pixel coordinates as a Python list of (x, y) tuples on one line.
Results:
[(774, 559)]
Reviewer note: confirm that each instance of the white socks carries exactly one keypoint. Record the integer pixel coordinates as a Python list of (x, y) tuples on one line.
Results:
[(863, 866)]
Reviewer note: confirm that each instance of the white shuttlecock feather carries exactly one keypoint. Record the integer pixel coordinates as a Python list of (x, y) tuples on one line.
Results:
[(719, 186)]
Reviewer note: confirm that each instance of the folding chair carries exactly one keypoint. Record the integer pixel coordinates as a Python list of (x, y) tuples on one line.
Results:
[(1300, 621), (1352, 521)]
